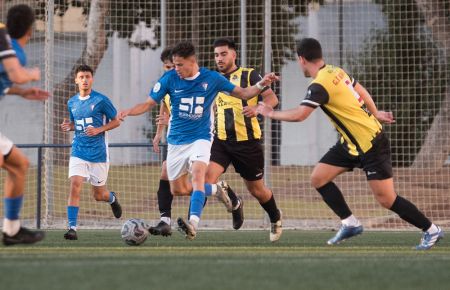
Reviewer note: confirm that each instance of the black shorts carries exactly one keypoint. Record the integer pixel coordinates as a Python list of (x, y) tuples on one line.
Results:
[(247, 157), (376, 162)]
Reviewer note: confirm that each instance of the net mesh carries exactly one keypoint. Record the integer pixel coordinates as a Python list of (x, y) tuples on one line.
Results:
[(399, 50)]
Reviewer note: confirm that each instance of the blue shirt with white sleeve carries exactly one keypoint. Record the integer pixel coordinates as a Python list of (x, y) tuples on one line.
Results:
[(191, 100), (5, 82), (93, 110)]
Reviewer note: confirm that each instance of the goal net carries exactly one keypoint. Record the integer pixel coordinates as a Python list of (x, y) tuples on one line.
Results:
[(398, 50)]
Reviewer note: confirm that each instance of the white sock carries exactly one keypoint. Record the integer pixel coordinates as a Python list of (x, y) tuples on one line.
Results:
[(73, 228), (194, 220), (11, 227), (166, 220), (433, 229), (213, 189), (351, 221)]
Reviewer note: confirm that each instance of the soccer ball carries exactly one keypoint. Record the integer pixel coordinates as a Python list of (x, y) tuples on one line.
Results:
[(134, 232)]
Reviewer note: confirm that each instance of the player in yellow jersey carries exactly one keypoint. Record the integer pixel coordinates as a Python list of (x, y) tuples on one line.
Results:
[(363, 144), (237, 137), (165, 197)]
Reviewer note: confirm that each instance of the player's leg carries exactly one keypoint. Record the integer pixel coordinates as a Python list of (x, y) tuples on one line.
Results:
[(378, 168), (335, 162), (165, 199), (73, 206), (16, 164), (98, 174)]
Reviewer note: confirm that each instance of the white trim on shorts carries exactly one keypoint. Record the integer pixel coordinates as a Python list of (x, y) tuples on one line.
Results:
[(6, 145), (180, 157), (96, 173)]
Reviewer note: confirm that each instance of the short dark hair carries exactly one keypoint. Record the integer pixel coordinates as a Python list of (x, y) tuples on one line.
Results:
[(166, 54), (309, 48), (183, 49), (19, 20), (84, 68), (225, 42)]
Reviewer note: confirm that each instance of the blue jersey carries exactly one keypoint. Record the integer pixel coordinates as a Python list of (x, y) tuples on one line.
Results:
[(93, 110), (5, 82), (191, 100)]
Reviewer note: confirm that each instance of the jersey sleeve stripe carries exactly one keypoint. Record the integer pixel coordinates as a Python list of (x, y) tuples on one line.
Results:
[(310, 103), (7, 53)]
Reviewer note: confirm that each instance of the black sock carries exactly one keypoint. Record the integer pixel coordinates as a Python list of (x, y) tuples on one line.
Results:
[(410, 213), (165, 198), (271, 208), (232, 196), (335, 200)]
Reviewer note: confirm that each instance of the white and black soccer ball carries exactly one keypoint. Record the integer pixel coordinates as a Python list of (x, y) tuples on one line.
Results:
[(134, 232)]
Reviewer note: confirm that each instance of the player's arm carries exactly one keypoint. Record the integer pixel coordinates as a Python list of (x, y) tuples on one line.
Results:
[(161, 122), (1, 159), (29, 93), (250, 92), (113, 123), (138, 109), (268, 96), (382, 116), (298, 114)]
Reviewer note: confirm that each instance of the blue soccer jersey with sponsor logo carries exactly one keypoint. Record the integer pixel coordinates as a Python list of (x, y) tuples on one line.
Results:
[(191, 99), (93, 110), (5, 82)]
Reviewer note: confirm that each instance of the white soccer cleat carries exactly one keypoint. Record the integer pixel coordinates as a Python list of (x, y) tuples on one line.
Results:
[(276, 229), (186, 229), (222, 195)]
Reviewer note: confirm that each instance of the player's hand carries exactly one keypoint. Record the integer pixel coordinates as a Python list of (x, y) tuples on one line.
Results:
[(162, 119), (92, 131), (155, 142), (250, 111), (385, 117), (268, 79), (264, 109), (66, 125), (123, 114), (34, 73), (35, 94)]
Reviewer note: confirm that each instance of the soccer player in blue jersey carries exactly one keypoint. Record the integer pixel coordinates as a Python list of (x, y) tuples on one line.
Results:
[(91, 115), (20, 21), (192, 91)]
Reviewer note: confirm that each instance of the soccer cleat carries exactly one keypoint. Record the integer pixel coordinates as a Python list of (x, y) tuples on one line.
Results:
[(186, 229), (116, 208), (429, 240), (276, 229), (161, 229), (222, 195), (23, 236), (238, 214), (345, 232), (71, 235)]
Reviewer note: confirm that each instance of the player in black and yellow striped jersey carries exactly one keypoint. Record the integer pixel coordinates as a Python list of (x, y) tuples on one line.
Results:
[(363, 144), (237, 138), (164, 195)]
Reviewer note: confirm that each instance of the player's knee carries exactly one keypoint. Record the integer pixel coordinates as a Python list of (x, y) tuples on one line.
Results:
[(179, 191), (98, 196), (317, 181)]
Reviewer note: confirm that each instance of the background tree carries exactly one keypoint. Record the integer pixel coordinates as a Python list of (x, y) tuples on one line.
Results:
[(403, 68)]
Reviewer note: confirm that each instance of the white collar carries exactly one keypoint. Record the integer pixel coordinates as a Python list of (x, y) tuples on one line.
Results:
[(193, 77), (83, 98)]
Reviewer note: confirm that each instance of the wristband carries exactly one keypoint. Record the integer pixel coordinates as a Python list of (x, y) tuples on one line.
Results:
[(260, 86)]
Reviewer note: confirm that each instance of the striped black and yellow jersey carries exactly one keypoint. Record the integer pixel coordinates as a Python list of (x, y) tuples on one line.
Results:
[(333, 90), (231, 124), (5, 43)]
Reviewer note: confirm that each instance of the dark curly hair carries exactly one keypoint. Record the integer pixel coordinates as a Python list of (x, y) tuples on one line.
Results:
[(19, 20)]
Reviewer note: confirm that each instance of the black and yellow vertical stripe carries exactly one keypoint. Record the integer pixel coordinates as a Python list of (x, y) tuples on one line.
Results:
[(231, 124)]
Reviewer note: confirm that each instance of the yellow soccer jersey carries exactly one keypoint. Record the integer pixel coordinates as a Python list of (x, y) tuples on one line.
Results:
[(231, 124), (333, 90)]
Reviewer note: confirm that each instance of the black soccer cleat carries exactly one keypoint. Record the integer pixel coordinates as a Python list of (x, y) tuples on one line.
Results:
[(71, 235), (161, 229), (238, 214), (116, 208), (23, 236)]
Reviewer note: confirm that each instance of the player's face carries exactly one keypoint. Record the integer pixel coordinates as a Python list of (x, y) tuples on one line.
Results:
[(302, 64), (168, 65), (185, 67), (84, 80), (225, 58)]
